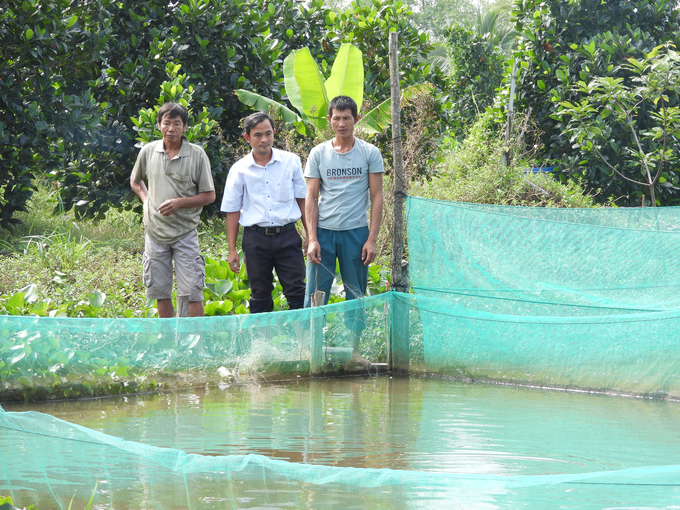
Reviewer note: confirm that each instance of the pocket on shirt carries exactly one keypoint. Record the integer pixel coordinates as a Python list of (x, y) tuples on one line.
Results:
[(183, 183), (284, 192)]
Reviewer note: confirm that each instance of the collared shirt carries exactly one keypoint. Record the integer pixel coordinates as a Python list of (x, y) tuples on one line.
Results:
[(265, 195), (186, 175)]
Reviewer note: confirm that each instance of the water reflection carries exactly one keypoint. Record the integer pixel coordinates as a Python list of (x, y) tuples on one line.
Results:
[(496, 434)]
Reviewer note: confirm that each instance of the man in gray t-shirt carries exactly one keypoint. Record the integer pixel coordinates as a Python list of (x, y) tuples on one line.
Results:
[(344, 177)]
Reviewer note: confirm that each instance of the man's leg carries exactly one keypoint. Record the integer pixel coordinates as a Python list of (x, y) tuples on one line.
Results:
[(258, 249), (290, 267), (157, 275), (321, 276), (165, 308), (190, 271), (354, 278)]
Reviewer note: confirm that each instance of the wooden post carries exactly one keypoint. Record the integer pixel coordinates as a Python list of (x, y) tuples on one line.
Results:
[(397, 167), (507, 155), (316, 361), (182, 311), (398, 359), (183, 305)]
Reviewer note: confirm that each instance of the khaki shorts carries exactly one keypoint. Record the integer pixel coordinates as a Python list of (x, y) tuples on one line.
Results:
[(189, 268)]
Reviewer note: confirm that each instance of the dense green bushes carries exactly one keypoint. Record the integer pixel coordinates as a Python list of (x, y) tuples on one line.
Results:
[(73, 75), (562, 43)]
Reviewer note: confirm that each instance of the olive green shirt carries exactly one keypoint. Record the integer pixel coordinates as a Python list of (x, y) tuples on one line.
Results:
[(188, 174)]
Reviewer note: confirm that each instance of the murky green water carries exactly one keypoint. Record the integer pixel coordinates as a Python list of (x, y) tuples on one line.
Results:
[(422, 426)]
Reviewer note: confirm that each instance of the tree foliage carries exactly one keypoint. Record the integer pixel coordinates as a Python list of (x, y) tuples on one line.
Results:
[(610, 107), (477, 70), (74, 74), (564, 42)]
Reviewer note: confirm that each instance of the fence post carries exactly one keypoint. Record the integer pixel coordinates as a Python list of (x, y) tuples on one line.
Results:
[(316, 361), (183, 305), (398, 350)]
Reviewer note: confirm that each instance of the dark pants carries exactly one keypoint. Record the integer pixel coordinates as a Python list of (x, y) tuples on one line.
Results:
[(282, 252)]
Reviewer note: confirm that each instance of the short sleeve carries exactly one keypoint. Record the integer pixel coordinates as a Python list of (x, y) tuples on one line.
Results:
[(205, 180), (232, 200), (299, 185), (139, 170), (312, 167), (375, 161)]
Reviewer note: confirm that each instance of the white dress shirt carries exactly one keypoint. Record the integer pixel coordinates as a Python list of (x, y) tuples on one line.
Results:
[(265, 195)]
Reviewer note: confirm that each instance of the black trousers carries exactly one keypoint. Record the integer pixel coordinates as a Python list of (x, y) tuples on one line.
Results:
[(282, 252)]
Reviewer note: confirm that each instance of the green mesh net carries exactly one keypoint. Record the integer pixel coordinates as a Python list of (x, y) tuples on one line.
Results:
[(553, 297), (582, 299)]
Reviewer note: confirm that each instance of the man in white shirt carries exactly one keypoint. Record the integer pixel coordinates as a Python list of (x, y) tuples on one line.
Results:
[(265, 193)]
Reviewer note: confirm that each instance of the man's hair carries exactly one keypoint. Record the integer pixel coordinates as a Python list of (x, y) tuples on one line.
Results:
[(173, 110), (342, 103), (254, 119)]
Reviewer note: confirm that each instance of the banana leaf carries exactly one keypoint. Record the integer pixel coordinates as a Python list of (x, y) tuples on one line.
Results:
[(263, 104), (305, 87), (347, 75), (379, 118)]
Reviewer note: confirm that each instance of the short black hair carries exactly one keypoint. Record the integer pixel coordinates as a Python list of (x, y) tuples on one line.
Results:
[(173, 110), (343, 103), (254, 119)]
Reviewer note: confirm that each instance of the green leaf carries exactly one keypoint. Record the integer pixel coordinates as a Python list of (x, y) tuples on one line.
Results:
[(541, 84), (347, 74), (237, 295), (29, 34), (71, 21), (96, 298), (263, 104), (379, 118), (25, 381), (305, 86)]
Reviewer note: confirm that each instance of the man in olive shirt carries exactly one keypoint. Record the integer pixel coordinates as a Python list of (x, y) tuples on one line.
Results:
[(179, 185)]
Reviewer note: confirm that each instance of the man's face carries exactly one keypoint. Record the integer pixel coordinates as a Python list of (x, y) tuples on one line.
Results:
[(261, 138), (342, 123), (172, 129)]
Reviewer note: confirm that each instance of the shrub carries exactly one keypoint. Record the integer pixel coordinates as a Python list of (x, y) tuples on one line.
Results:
[(561, 43)]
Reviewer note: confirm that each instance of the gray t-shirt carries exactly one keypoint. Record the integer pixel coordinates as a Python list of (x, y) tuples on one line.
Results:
[(344, 194)]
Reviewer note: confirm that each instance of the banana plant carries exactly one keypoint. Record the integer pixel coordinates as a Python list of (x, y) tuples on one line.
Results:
[(307, 89), (310, 93)]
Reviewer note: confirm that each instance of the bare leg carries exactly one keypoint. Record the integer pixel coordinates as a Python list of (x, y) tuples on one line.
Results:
[(165, 309), (196, 309)]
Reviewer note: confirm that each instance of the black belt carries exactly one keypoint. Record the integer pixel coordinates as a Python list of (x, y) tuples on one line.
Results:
[(272, 231)]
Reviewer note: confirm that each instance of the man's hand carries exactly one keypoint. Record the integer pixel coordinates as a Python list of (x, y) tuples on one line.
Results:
[(314, 252), (170, 206), (234, 261), (305, 246), (368, 252)]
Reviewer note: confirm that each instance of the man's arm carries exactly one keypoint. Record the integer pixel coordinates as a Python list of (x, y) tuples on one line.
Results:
[(368, 252), (312, 217), (139, 188), (301, 205), (172, 205), (232, 235)]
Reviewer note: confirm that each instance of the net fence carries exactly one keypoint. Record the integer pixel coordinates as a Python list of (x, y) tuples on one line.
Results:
[(582, 299)]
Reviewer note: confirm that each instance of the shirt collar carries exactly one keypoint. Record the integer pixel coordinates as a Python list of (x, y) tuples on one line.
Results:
[(184, 150), (276, 156)]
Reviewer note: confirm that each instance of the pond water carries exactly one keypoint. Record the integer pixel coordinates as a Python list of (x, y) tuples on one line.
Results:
[(556, 449)]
